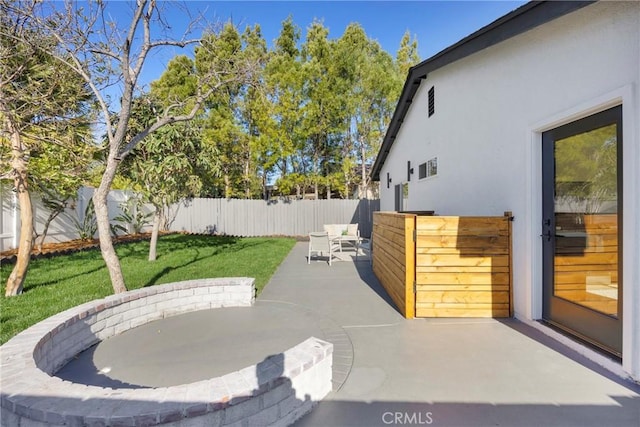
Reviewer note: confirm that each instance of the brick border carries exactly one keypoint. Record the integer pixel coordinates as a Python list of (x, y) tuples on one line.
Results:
[(276, 391)]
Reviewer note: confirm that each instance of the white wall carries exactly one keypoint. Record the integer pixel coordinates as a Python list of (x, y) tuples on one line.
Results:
[(490, 110)]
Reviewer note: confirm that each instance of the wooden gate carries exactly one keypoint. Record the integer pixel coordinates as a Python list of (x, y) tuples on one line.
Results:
[(444, 266), (394, 257)]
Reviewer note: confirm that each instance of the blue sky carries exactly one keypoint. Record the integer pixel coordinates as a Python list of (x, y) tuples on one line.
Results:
[(435, 24)]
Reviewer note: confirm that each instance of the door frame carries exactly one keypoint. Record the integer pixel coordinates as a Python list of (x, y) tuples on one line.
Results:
[(566, 315), (528, 296)]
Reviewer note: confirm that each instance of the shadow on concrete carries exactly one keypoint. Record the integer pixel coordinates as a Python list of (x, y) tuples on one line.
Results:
[(82, 370), (562, 349), (365, 272), (622, 411), (367, 276)]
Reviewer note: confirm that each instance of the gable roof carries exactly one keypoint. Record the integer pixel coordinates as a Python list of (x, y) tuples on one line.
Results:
[(518, 21)]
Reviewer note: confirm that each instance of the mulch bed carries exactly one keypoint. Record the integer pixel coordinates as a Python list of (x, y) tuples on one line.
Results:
[(51, 249)]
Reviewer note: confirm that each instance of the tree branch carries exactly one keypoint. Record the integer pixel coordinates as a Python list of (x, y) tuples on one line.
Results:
[(173, 43), (103, 52), (157, 125), (129, 74)]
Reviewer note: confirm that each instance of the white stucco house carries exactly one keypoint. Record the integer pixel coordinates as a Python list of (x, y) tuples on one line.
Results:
[(538, 113)]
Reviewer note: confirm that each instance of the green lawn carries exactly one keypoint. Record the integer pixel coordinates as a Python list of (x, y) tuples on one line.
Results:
[(57, 283)]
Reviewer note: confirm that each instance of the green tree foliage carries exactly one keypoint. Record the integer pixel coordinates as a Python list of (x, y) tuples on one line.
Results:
[(315, 116), (221, 127), (178, 84), (259, 146), (407, 55), (283, 84), (322, 109), (45, 111), (169, 165), (372, 90), (311, 115)]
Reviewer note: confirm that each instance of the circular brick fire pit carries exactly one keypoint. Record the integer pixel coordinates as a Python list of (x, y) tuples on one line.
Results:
[(276, 391)]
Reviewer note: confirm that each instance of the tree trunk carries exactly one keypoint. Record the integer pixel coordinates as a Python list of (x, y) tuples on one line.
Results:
[(363, 174), (15, 282), (102, 217), (347, 186), (40, 239), (247, 180), (265, 191), (157, 217), (227, 186)]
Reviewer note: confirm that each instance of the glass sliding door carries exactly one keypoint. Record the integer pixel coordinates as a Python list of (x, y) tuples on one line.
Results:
[(582, 290)]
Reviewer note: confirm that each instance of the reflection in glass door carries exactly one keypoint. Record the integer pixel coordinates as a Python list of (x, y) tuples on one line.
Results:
[(581, 228)]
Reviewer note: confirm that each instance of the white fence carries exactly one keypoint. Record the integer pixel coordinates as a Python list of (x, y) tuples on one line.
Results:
[(238, 217), (221, 216), (62, 228)]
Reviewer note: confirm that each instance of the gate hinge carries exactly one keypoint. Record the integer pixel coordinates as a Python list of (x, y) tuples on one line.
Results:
[(415, 235), (415, 287)]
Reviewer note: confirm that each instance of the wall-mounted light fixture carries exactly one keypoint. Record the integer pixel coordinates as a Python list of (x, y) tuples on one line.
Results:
[(409, 170), (388, 180)]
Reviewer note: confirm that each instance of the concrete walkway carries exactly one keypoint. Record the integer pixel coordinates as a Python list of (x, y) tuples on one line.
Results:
[(387, 370)]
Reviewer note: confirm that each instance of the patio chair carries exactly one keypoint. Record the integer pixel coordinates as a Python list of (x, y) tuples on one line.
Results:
[(320, 243), (365, 246), (343, 233)]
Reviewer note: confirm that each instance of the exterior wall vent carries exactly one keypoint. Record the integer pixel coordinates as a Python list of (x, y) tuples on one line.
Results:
[(432, 101)]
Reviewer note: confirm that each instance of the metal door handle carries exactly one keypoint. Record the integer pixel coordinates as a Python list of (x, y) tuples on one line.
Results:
[(548, 235)]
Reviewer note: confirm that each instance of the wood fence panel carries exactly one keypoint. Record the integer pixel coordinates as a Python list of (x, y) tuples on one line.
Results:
[(461, 226), (455, 266), (463, 266), (394, 257)]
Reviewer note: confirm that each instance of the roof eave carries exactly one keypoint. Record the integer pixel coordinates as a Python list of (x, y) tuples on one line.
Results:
[(525, 18)]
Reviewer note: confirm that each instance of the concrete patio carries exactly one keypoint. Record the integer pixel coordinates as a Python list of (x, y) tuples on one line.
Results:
[(445, 372), (386, 370)]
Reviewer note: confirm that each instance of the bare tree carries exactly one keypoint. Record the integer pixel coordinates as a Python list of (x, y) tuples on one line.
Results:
[(108, 54)]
